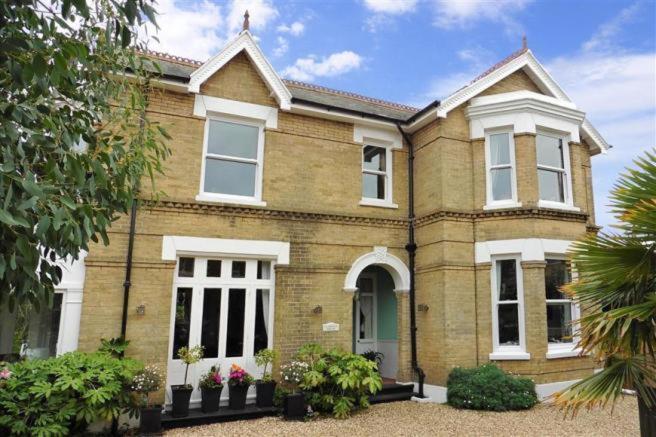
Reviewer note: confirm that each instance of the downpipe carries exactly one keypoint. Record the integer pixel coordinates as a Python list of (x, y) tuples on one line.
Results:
[(411, 248)]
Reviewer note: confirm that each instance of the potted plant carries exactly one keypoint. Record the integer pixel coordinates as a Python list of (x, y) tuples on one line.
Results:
[(238, 382), (180, 394), (211, 385), (145, 382), (292, 375), (265, 388)]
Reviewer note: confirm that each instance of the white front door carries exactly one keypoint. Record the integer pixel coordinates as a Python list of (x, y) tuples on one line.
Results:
[(365, 314), (224, 305)]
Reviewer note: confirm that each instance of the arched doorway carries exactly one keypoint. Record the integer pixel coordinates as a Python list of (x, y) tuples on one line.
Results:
[(375, 279), (375, 319)]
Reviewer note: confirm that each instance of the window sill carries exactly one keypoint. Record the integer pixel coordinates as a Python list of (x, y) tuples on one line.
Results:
[(557, 205), (501, 356), (560, 352), (502, 205), (378, 203), (204, 197)]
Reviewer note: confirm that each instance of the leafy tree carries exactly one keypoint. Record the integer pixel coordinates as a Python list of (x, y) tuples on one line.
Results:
[(617, 286), (74, 137)]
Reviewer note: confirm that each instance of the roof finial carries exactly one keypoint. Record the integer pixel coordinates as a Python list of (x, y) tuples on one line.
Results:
[(524, 42), (246, 23)]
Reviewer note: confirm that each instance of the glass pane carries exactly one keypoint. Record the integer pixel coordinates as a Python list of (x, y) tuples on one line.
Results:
[(228, 177), (550, 151), (235, 334), (43, 329), (261, 340), (182, 320), (559, 322), (264, 270), (186, 268), (500, 149), (373, 186), (366, 316), (232, 139), (373, 158), (508, 325), (556, 274), (213, 268), (501, 184), (507, 279), (551, 185), (239, 269), (365, 285), (209, 337)]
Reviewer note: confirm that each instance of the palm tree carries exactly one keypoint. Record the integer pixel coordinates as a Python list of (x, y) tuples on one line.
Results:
[(616, 288)]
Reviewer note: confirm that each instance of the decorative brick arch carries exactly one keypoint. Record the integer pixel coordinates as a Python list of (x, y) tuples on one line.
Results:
[(379, 257)]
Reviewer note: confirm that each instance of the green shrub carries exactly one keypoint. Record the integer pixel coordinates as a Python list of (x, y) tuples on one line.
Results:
[(489, 388), (61, 396), (338, 382)]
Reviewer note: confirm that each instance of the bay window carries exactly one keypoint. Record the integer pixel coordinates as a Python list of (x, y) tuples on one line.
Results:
[(561, 309), (508, 309), (553, 170), (500, 165)]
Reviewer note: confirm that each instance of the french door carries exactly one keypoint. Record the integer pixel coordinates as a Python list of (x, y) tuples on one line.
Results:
[(225, 306)]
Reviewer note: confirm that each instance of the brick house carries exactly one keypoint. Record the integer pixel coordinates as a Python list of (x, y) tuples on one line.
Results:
[(288, 216)]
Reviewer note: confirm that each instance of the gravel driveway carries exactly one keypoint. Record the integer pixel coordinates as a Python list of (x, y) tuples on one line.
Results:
[(411, 418)]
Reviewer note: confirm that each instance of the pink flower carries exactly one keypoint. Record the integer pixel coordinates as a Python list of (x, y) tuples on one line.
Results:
[(5, 373)]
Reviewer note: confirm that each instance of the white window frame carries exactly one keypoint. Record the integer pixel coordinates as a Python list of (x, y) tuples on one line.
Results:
[(256, 199), (500, 352), (387, 202), (374, 311), (199, 282), (564, 350), (506, 203), (568, 203)]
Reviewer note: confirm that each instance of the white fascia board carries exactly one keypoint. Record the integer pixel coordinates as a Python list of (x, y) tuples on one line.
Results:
[(173, 246), (337, 115), (244, 42), (530, 249), (387, 136), (204, 104)]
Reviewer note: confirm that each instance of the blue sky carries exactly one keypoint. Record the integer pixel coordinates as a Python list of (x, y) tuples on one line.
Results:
[(602, 52)]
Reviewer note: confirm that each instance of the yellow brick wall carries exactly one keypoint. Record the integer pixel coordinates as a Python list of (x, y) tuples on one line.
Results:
[(312, 179)]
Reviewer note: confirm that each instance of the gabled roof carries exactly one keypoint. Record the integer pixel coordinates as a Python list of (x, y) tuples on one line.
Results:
[(522, 59), (243, 42)]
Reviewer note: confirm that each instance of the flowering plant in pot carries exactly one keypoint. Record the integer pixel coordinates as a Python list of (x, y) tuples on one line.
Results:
[(180, 394), (238, 382), (211, 385), (293, 374), (145, 382), (265, 388)]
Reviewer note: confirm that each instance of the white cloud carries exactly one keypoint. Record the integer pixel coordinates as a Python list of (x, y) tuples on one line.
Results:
[(451, 14), (294, 29), (393, 7), (604, 38), (308, 68), (190, 33), (282, 45)]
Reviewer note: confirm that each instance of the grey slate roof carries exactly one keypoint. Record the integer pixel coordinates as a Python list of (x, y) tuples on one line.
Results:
[(180, 69)]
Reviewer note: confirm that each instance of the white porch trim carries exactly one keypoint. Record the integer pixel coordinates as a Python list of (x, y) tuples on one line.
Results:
[(379, 257), (173, 245)]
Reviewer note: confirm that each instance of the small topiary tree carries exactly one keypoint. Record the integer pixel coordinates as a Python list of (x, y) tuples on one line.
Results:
[(489, 388)]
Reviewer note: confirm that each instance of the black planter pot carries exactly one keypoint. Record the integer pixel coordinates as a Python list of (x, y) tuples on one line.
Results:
[(150, 420), (237, 396), (294, 406), (210, 398), (180, 395), (264, 392)]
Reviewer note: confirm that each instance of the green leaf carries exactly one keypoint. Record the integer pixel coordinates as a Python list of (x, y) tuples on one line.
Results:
[(11, 220)]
